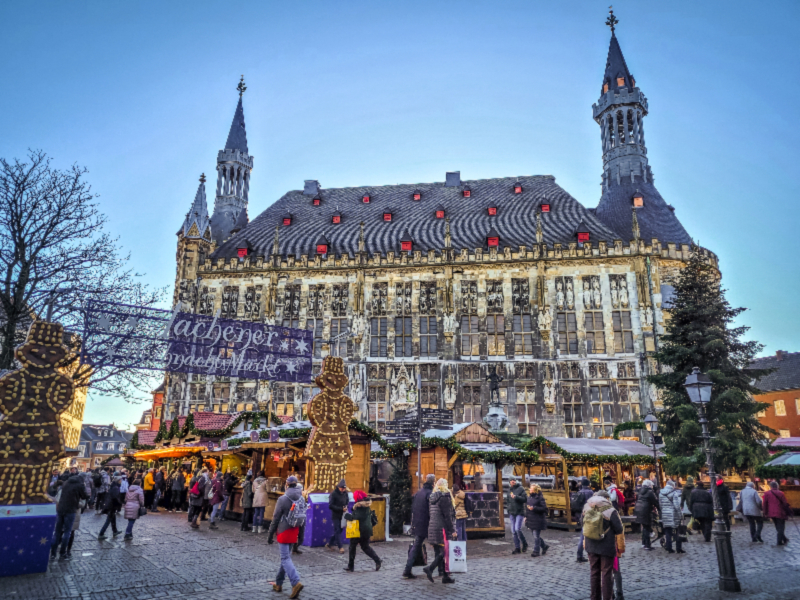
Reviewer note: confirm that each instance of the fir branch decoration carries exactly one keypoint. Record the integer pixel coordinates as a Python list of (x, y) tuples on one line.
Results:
[(632, 425)]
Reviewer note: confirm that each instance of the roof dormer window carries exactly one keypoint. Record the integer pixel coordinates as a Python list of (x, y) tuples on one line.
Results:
[(406, 242), (466, 193), (316, 201), (287, 219), (337, 217), (583, 236), (440, 212), (242, 252), (620, 81), (365, 199), (493, 238), (605, 88), (545, 208), (417, 195), (517, 188), (492, 211), (322, 245), (387, 216), (638, 201)]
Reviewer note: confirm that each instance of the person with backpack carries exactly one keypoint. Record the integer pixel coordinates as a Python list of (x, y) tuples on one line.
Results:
[(601, 526), (516, 513), (216, 499), (113, 504), (442, 523), (363, 515), (671, 516), (197, 495), (577, 505), (777, 508), (290, 512), (645, 504), (247, 502), (420, 519), (337, 503), (536, 519)]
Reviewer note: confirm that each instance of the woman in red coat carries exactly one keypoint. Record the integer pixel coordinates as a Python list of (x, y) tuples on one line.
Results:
[(776, 507)]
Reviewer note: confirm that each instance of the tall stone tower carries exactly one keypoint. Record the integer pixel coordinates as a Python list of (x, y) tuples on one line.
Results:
[(627, 177), (194, 244), (234, 165)]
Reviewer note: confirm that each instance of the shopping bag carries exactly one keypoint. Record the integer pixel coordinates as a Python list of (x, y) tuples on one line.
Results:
[(353, 529), (455, 557), (422, 557)]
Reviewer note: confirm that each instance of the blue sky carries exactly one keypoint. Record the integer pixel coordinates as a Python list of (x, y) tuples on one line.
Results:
[(368, 93)]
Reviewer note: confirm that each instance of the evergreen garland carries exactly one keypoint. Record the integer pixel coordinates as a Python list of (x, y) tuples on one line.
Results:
[(626, 426), (162, 433)]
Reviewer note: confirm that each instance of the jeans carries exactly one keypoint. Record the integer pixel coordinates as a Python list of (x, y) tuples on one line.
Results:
[(247, 517), (647, 531), (756, 524), (538, 542), (129, 528), (336, 538), (669, 533), (517, 521), (111, 519), (224, 506), (364, 543), (216, 511), (780, 526), (601, 578), (287, 566), (580, 545), (63, 531), (156, 498), (461, 529), (258, 516), (438, 559)]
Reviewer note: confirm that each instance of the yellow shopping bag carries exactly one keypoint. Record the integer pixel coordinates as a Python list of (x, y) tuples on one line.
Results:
[(353, 529)]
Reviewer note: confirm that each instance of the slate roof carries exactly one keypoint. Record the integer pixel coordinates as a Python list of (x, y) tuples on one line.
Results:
[(470, 222), (147, 437), (787, 377), (92, 433), (616, 66), (602, 447), (205, 420), (656, 218), (237, 136)]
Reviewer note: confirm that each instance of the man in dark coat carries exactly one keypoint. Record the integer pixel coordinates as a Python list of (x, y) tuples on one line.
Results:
[(703, 509), (72, 493), (645, 503), (516, 513), (337, 503), (576, 507), (114, 502), (725, 501), (420, 519)]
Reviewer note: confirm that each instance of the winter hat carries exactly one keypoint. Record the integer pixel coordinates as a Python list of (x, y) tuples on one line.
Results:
[(358, 496), (341, 484), (690, 480), (290, 480), (603, 494), (585, 482), (720, 481), (647, 483)]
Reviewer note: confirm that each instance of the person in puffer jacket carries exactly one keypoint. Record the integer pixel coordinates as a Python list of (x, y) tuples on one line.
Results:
[(751, 509), (443, 522), (671, 515), (461, 512), (287, 537), (363, 514)]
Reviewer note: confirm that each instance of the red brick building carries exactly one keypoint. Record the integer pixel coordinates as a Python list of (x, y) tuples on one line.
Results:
[(781, 390)]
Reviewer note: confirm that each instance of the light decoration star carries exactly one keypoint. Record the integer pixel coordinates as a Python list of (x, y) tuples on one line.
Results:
[(302, 347), (285, 346), (103, 323), (132, 322), (291, 368), (21, 551), (43, 541)]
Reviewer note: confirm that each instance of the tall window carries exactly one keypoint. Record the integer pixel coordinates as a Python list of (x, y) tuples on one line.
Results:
[(230, 302), (602, 421), (496, 335), (797, 405), (315, 325), (429, 397), (376, 397), (402, 337), (573, 414), (428, 331), (567, 333), (523, 335), (284, 401), (784, 433), (469, 336), (629, 402), (378, 339), (291, 306), (526, 409), (623, 331), (780, 408), (595, 338), (471, 395), (338, 345)]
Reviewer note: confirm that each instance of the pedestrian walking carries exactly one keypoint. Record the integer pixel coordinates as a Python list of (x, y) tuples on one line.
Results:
[(247, 502), (105, 484), (671, 516), (286, 528), (420, 519), (645, 504), (216, 499), (362, 513), (260, 500), (178, 482), (750, 502), (442, 523), (516, 514), (725, 501), (228, 483), (196, 497), (113, 504), (337, 503), (149, 488), (602, 525), (777, 508), (702, 504), (461, 512), (72, 492), (134, 500), (536, 519), (577, 505)]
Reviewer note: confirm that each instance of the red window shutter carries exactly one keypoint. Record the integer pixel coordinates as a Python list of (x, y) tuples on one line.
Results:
[(387, 216), (405, 246), (287, 221), (242, 252), (545, 208), (518, 189), (366, 199), (583, 237), (316, 201), (440, 214), (493, 241), (417, 196), (322, 248), (492, 210), (467, 193), (337, 219)]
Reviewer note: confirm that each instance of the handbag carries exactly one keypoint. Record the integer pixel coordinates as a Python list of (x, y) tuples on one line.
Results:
[(373, 518), (142, 511), (422, 558), (353, 529)]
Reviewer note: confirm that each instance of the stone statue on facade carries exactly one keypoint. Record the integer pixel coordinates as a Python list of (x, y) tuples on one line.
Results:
[(559, 295), (570, 295), (494, 385), (598, 298), (623, 292), (587, 295), (614, 293)]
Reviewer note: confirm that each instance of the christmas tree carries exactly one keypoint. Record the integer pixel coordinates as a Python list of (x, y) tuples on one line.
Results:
[(700, 332), (399, 494)]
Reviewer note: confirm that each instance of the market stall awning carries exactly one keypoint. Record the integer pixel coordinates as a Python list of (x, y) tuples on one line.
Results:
[(602, 447), (174, 452), (790, 442), (790, 458)]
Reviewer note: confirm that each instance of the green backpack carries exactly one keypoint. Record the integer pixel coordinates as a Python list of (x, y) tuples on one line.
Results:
[(593, 524)]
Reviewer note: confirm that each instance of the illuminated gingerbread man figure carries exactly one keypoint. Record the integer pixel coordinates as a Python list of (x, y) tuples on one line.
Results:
[(330, 413), (31, 402)]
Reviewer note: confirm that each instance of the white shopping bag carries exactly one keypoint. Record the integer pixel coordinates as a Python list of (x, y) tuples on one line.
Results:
[(455, 557)]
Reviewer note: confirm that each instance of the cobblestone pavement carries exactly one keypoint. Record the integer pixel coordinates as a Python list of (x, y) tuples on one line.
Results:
[(166, 559)]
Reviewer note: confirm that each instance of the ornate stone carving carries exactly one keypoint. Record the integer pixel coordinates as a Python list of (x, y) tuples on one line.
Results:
[(449, 393), (207, 298), (520, 296), (403, 298), (427, 297), (469, 297), (403, 388), (252, 302), (545, 321), (494, 296), (380, 293), (449, 324), (339, 300)]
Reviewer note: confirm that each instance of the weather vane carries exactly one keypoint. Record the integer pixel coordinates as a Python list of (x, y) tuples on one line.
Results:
[(611, 21), (202, 177), (241, 87)]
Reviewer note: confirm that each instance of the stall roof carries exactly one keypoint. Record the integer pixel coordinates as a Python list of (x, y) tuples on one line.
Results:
[(501, 447), (445, 433), (602, 447), (790, 458), (791, 442)]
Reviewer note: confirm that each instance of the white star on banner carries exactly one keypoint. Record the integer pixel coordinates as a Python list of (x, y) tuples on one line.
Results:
[(103, 323), (284, 346), (302, 347), (291, 367), (132, 322), (109, 352)]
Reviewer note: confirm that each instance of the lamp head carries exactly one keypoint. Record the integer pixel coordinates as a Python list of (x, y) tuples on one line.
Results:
[(698, 385), (651, 422)]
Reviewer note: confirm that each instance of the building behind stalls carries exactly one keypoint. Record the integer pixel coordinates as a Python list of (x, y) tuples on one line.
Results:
[(781, 390), (442, 282)]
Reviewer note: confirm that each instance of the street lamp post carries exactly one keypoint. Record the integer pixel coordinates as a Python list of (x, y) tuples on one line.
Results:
[(651, 422), (698, 385)]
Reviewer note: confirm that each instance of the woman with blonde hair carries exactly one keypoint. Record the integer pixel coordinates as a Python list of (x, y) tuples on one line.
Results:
[(442, 522), (536, 519)]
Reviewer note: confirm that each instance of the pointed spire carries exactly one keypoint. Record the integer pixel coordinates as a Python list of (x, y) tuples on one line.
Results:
[(539, 233), (635, 225), (237, 137), (196, 221), (616, 67)]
